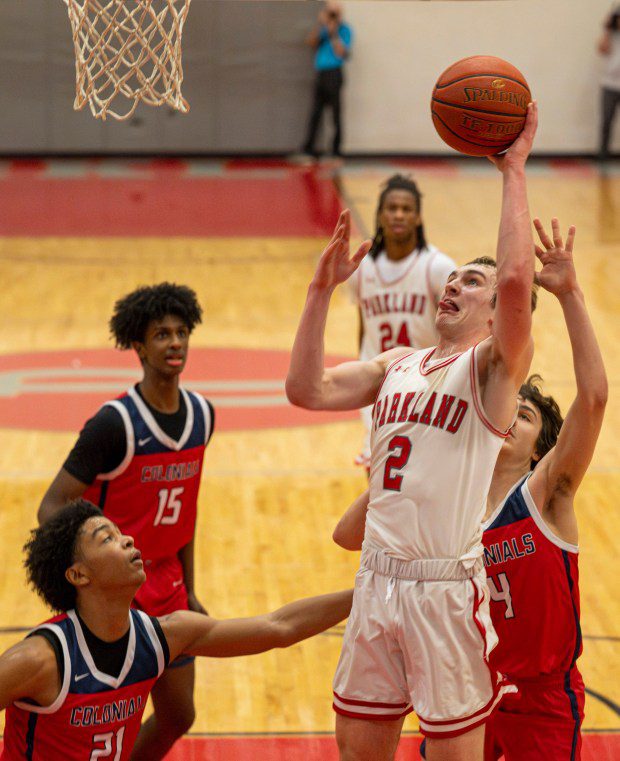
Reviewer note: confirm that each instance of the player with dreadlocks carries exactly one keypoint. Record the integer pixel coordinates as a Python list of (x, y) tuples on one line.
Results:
[(76, 687), (398, 285), (140, 459)]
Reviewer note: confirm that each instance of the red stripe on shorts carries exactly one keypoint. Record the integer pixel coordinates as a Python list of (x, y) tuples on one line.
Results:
[(369, 703)]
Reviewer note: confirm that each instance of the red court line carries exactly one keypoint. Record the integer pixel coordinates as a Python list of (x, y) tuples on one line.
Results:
[(166, 205), (318, 748), (603, 747)]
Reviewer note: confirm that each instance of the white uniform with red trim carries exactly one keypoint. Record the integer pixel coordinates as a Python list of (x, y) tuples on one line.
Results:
[(420, 631), (398, 302)]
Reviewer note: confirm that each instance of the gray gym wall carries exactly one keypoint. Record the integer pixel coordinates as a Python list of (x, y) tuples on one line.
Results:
[(248, 76)]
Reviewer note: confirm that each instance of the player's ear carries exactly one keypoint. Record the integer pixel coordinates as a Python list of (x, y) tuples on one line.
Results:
[(138, 347), (76, 575)]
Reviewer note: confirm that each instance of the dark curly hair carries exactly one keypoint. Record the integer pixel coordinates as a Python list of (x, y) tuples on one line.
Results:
[(550, 415), (51, 550), (134, 312), (488, 261), (397, 182)]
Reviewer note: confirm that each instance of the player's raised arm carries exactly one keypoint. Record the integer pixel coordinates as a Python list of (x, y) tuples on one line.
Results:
[(349, 533), (309, 384), (515, 256), (194, 634), (562, 469)]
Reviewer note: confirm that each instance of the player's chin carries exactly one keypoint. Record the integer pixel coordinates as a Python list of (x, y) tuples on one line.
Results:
[(443, 317), (140, 575)]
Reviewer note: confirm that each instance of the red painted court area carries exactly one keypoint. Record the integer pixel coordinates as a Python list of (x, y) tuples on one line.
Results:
[(163, 200), (59, 390), (603, 747)]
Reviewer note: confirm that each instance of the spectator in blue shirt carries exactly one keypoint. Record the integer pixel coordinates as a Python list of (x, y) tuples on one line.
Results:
[(331, 38)]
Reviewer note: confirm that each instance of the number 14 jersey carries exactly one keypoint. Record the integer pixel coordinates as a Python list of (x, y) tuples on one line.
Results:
[(533, 577), (432, 457)]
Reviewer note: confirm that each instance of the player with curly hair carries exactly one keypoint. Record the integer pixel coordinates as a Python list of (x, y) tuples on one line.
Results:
[(77, 686), (140, 459)]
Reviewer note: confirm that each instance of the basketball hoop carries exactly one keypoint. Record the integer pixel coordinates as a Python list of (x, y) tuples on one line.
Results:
[(130, 49)]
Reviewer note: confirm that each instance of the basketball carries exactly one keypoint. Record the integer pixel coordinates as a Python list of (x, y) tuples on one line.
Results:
[(479, 105)]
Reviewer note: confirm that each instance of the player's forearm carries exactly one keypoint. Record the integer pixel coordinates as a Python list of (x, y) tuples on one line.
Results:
[(305, 618), (304, 382), (515, 266), (590, 375), (515, 245)]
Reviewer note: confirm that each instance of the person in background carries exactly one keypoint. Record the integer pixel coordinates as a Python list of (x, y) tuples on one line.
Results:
[(609, 46), (397, 287), (331, 38)]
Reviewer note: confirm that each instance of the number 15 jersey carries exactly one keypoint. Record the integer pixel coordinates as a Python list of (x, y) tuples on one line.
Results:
[(152, 494), (432, 457)]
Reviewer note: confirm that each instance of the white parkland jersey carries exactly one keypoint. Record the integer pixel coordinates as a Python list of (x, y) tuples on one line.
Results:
[(432, 457), (400, 311)]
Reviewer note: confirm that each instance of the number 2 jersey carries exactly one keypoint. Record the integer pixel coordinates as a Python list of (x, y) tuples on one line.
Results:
[(533, 578), (152, 494), (95, 715), (433, 451)]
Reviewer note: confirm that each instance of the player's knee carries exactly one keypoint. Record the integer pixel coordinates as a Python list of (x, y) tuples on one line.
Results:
[(350, 748)]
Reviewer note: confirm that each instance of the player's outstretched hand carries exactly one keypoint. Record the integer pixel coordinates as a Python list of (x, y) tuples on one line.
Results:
[(336, 265), (558, 274), (517, 154)]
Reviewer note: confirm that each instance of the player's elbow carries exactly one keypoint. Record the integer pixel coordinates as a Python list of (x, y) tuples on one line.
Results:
[(514, 284), (47, 510), (596, 397), (284, 634), (344, 539), (300, 395)]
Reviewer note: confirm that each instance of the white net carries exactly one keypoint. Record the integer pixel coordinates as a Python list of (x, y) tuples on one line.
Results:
[(128, 49)]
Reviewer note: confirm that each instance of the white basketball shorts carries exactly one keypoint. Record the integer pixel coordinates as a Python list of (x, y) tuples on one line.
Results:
[(418, 637)]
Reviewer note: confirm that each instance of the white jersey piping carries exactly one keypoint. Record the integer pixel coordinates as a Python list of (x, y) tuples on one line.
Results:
[(66, 681), (112, 681), (150, 630), (159, 434), (206, 412), (130, 444), (478, 402), (542, 525)]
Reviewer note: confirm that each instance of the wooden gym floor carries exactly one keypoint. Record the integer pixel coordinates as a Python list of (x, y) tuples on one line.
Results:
[(76, 235)]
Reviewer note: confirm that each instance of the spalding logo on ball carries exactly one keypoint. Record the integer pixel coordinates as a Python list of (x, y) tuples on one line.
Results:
[(479, 105)]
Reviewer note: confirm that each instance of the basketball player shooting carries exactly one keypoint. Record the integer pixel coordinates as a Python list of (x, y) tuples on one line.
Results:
[(439, 421), (530, 539), (77, 686)]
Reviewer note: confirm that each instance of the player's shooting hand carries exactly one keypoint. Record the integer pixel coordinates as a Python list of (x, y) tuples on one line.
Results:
[(194, 604), (517, 154), (336, 265), (558, 274)]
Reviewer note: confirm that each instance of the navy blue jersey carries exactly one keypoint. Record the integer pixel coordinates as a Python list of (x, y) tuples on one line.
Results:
[(94, 711)]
